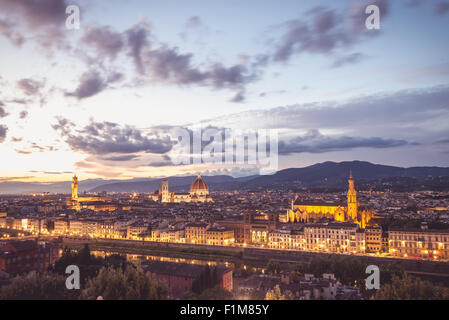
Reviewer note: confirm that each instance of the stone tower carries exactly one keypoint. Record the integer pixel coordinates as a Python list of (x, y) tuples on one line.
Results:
[(75, 187), (352, 199), (165, 193)]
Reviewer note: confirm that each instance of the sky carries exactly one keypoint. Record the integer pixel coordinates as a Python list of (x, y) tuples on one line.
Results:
[(103, 100)]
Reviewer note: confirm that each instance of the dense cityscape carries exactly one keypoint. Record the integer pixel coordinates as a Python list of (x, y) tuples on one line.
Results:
[(211, 157), (36, 229)]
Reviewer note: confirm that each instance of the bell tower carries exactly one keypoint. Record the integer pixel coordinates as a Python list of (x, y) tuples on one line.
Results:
[(165, 193), (352, 199), (74, 187)]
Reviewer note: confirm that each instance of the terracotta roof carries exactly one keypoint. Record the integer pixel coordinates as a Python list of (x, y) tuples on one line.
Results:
[(198, 184), (299, 202)]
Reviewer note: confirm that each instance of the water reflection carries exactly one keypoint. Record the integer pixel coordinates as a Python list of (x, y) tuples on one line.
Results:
[(139, 258)]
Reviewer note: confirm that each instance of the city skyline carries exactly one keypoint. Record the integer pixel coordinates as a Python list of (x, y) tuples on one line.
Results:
[(101, 101)]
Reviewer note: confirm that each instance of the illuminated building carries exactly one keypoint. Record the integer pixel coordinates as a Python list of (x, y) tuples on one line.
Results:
[(285, 239), (220, 236), (373, 239), (74, 187), (136, 230), (433, 244), (199, 192), (336, 237), (61, 226), (258, 226), (313, 211), (196, 233), (94, 203)]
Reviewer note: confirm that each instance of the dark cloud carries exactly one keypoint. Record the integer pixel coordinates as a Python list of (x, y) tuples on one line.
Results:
[(239, 97), (166, 65), (29, 86), (161, 164), (37, 13), (160, 63), (442, 8), (105, 41), (348, 59), (411, 107), (122, 158), (314, 142), (3, 113), (8, 30), (64, 126), (193, 22), (325, 30), (101, 138), (44, 19), (92, 83), (14, 139), (23, 114), (137, 38), (3, 132)]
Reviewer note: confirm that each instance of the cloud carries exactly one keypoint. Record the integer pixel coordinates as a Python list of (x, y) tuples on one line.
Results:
[(3, 113), (347, 59), (92, 83), (122, 158), (44, 19), (442, 8), (101, 138), (37, 13), (105, 41), (160, 164), (7, 29), (137, 38), (3, 132), (411, 107), (193, 22), (314, 142), (29, 86), (324, 31), (160, 63), (23, 114)]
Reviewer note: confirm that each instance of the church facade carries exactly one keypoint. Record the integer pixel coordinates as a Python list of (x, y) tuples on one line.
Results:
[(91, 202), (199, 192), (313, 211)]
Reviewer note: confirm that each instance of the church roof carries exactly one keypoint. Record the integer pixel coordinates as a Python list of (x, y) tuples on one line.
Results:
[(300, 202), (198, 184)]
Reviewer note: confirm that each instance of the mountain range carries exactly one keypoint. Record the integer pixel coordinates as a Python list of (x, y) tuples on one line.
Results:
[(322, 175)]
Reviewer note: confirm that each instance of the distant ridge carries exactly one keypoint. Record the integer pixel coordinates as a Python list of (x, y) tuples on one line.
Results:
[(327, 174)]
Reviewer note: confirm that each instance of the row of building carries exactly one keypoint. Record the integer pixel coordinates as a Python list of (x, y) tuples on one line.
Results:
[(261, 230)]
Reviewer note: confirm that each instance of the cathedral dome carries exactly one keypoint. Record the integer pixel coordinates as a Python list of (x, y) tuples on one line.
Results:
[(199, 185)]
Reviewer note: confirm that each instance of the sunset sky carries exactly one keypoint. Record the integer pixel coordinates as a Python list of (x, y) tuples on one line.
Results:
[(101, 101)]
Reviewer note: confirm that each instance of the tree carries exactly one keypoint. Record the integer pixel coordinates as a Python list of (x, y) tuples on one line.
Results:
[(214, 293), (88, 264), (410, 288), (273, 266), (276, 294), (129, 284), (34, 286)]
